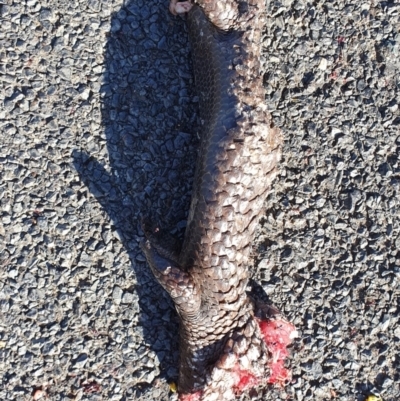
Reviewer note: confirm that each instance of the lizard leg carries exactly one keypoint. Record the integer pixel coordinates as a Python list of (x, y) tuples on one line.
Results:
[(177, 282)]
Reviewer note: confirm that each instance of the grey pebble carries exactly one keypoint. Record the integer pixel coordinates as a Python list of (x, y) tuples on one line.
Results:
[(80, 362)]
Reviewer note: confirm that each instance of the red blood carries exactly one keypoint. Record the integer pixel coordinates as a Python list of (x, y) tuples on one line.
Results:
[(91, 387), (277, 334), (246, 380)]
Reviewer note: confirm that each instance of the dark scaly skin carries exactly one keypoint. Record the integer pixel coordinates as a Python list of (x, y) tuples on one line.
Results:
[(236, 164)]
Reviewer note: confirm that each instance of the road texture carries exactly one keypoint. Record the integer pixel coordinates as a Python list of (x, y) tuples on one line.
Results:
[(98, 127)]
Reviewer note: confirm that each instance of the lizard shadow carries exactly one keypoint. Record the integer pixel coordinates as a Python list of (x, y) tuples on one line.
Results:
[(147, 113)]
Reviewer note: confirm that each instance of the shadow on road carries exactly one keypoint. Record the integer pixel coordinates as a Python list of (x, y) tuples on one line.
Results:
[(147, 114)]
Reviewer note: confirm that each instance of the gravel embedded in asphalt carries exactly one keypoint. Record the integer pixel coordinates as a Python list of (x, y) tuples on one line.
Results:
[(98, 128)]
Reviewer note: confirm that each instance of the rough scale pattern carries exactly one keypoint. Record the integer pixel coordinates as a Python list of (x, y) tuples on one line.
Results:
[(223, 350)]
